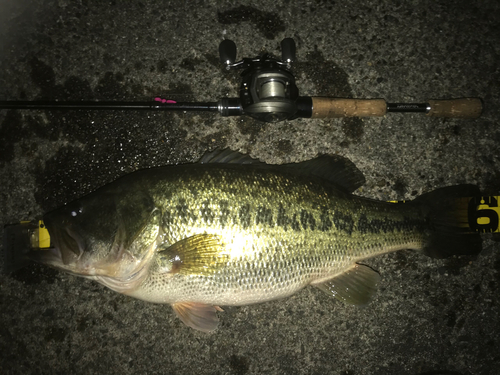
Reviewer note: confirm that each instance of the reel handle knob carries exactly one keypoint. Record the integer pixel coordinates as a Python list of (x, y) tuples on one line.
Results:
[(227, 52), (288, 51)]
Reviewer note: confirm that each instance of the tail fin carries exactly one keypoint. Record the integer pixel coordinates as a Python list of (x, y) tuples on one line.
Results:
[(16, 245), (447, 213)]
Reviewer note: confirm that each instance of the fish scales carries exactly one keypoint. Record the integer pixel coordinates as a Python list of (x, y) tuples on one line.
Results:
[(230, 230), (279, 232)]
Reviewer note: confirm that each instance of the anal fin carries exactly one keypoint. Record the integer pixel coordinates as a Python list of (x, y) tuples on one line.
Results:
[(199, 316), (356, 286)]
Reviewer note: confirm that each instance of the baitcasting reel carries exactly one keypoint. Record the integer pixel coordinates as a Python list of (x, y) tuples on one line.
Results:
[(268, 93)]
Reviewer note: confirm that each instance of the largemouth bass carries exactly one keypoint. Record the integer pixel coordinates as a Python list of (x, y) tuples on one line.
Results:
[(230, 230)]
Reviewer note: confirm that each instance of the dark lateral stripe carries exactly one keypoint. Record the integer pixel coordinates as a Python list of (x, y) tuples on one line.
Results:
[(282, 220), (184, 212), (224, 213), (343, 222), (326, 223), (206, 213), (323, 221), (264, 216), (307, 220), (384, 226), (244, 216), (294, 223)]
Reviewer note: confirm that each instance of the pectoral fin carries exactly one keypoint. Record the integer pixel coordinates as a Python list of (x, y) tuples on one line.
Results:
[(356, 286), (197, 315), (200, 254)]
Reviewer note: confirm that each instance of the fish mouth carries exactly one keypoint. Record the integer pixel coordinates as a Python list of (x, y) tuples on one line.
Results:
[(67, 245), (73, 254)]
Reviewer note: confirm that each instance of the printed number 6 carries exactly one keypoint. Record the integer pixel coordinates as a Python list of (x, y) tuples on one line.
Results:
[(483, 219)]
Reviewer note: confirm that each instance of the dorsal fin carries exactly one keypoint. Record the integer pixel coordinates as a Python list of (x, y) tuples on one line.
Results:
[(335, 169), (227, 156)]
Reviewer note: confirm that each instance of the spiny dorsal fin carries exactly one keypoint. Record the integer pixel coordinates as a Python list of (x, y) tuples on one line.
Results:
[(228, 156), (356, 286), (200, 254), (335, 169)]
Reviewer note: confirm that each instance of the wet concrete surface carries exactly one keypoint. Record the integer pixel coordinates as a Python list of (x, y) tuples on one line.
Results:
[(429, 316)]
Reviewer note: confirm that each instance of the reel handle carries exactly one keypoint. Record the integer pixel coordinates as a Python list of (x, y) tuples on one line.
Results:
[(336, 107)]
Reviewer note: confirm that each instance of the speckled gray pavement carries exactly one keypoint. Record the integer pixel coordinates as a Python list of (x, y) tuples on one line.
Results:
[(429, 316)]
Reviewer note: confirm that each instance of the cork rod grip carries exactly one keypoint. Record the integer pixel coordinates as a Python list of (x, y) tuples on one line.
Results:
[(334, 107), (458, 108)]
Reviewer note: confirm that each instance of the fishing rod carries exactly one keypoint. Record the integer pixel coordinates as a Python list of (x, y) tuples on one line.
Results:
[(268, 93)]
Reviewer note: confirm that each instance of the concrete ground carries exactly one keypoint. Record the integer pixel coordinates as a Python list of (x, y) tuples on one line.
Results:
[(429, 316)]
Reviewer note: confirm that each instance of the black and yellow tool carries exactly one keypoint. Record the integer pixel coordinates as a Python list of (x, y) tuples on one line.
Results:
[(27, 235), (484, 214)]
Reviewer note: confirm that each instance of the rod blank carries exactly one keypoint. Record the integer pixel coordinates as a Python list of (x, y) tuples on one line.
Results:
[(107, 105)]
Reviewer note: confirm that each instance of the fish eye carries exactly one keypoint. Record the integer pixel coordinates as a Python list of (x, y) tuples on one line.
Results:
[(75, 211)]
